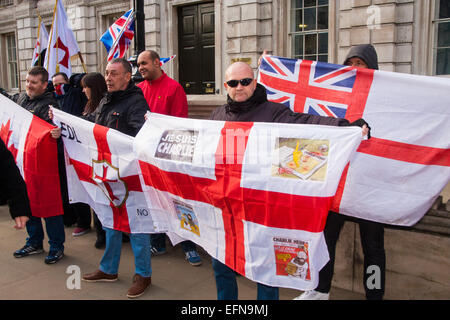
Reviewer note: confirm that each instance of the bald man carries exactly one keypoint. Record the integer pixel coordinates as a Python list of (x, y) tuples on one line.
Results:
[(163, 94), (247, 101)]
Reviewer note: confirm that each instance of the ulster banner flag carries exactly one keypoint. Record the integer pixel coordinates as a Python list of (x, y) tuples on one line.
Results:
[(28, 138), (41, 45), (397, 174), (254, 195), (102, 171)]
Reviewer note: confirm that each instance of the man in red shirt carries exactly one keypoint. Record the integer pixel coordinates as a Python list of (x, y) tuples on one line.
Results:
[(163, 94), (166, 96)]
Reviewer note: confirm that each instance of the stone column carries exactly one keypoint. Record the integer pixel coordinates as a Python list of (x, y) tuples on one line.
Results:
[(152, 11), (81, 16), (248, 30)]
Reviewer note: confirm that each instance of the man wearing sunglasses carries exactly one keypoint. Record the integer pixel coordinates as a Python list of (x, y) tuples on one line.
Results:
[(247, 101)]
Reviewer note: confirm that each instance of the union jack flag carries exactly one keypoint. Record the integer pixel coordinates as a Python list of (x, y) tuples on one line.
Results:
[(118, 37), (163, 61), (312, 87)]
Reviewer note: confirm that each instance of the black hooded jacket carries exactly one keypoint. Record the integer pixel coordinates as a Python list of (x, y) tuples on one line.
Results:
[(367, 53), (12, 186), (259, 109), (123, 110), (74, 100), (37, 106)]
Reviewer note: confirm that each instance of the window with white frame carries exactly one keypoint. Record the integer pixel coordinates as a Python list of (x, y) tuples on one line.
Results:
[(442, 37), (309, 29), (11, 56)]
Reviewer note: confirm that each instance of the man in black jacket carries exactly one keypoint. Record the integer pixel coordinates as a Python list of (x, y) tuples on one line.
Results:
[(123, 108), (36, 97), (13, 188), (247, 101), (37, 100)]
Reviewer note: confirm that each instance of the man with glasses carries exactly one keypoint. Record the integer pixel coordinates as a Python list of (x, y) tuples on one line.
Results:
[(247, 101)]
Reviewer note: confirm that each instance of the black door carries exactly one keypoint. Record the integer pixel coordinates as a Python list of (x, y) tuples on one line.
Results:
[(196, 48)]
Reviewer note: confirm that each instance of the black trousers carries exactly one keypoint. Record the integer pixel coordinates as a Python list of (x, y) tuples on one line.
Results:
[(372, 240)]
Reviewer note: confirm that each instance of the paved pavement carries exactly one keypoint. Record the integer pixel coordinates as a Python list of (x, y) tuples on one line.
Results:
[(173, 278)]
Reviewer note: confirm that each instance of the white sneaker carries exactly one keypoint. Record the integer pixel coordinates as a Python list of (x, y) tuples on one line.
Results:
[(313, 295)]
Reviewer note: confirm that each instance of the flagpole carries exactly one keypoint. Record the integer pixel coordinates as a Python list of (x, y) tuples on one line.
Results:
[(38, 37), (57, 42), (47, 55), (82, 61)]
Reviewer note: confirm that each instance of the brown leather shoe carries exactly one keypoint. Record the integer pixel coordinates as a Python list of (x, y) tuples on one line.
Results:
[(140, 284), (98, 275)]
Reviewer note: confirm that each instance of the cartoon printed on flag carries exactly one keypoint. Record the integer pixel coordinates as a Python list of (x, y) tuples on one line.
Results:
[(187, 217), (304, 159), (292, 258), (177, 145)]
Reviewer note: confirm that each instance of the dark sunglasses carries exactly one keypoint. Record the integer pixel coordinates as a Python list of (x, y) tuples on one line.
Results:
[(234, 83)]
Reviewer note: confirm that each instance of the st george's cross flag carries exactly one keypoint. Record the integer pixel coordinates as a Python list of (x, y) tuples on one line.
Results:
[(62, 43), (28, 138), (41, 44), (118, 37), (102, 171), (397, 174), (255, 196)]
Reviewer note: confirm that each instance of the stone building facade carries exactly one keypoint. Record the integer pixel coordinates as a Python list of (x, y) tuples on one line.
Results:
[(410, 36)]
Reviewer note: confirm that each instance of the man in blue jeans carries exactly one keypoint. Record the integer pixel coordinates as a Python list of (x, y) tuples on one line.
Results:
[(123, 108), (37, 99)]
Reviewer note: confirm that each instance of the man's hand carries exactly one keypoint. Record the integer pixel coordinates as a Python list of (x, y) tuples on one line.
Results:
[(55, 133), (261, 56), (21, 222)]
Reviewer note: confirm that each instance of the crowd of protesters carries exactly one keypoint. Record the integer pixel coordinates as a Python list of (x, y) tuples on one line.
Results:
[(115, 101)]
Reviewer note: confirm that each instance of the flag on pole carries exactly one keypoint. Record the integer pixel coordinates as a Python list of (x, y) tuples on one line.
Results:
[(41, 45), (118, 37), (397, 174), (62, 43), (28, 138), (163, 61)]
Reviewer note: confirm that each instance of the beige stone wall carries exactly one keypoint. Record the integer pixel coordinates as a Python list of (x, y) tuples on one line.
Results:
[(387, 24)]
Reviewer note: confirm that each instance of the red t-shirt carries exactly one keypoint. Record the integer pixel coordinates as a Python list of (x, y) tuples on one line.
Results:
[(166, 96)]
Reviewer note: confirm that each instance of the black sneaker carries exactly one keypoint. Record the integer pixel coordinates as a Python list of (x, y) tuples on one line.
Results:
[(27, 250), (54, 256)]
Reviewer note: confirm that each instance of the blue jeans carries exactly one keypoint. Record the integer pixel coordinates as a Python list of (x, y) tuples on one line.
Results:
[(158, 240), (55, 232), (140, 244), (227, 288)]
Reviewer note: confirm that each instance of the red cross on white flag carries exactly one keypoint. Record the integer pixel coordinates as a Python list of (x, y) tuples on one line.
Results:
[(102, 172), (62, 43), (253, 195)]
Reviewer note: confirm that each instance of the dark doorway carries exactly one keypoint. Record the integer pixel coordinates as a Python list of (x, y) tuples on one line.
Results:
[(196, 48)]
